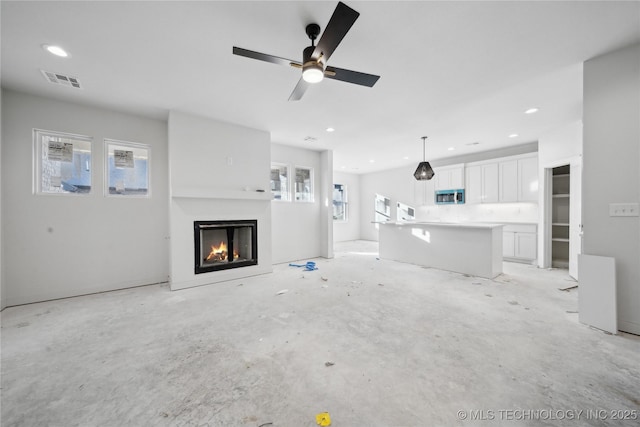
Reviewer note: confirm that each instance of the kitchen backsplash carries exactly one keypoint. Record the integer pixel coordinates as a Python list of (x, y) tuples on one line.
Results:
[(489, 212)]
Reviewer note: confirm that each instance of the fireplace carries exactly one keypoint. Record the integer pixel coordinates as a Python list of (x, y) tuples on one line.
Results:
[(220, 245)]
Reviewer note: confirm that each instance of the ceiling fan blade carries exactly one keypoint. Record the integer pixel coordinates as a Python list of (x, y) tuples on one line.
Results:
[(263, 57), (339, 24), (299, 90), (355, 77)]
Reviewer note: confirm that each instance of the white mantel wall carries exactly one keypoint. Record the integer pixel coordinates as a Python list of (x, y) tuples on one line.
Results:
[(67, 245), (215, 169), (611, 172)]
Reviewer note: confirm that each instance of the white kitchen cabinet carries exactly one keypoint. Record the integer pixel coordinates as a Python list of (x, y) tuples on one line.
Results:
[(449, 177), (519, 242), (508, 181), (424, 193), (490, 183), (481, 184), (508, 244), (528, 179), (473, 184)]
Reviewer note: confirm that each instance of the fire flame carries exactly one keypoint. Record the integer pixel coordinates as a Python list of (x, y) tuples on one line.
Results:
[(220, 252)]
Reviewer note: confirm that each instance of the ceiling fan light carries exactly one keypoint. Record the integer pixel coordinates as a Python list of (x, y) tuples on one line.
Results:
[(312, 72), (424, 172)]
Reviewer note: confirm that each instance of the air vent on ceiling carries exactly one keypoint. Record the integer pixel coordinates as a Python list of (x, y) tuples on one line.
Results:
[(61, 79)]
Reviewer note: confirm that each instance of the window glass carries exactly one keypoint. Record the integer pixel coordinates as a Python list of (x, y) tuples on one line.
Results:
[(405, 212), (127, 168), (280, 182), (382, 208), (304, 184), (340, 202), (62, 163)]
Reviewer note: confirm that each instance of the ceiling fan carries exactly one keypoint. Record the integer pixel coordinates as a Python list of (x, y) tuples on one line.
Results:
[(314, 58)]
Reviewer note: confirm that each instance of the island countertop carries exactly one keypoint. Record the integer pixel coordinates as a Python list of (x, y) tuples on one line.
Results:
[(473, 248), (445, 224)]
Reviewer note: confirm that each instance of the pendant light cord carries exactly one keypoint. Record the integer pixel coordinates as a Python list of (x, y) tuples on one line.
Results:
[(424, 148)]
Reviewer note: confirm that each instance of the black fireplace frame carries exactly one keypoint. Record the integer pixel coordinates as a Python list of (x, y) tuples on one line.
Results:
[(230, 226)]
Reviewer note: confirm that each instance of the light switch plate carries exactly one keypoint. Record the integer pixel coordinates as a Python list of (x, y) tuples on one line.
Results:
[(623, 209)]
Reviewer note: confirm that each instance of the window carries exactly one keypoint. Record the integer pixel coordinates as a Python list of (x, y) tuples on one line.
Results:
[(382, 208), (62, 163), (304, 184), (280, 182), (340, 202), (405, 212), (127, 168)]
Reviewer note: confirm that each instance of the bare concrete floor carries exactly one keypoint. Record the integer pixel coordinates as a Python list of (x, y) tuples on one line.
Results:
[(372, 342)]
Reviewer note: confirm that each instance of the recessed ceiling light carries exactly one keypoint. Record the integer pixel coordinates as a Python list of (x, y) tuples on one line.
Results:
[(531, 110), (513, 135), (406, 157), (451, 148), (55, 50), (372, 161), (343, 167), (330, 129)]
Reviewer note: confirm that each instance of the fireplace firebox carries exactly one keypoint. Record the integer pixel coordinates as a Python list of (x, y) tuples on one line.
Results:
[(220, 245)]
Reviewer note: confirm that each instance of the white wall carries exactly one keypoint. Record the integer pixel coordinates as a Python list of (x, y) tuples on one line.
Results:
[(611, 155), (349, 230), (215, 170), (296, 225), (555, 148), (326, 205), (61, 246), (2, 293)]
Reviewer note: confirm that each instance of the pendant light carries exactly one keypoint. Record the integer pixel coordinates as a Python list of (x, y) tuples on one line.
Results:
[(424, 171)]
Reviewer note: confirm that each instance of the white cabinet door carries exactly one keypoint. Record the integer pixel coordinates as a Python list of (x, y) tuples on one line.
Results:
[(509, 181), (490, 183), (525, 246), (528, 179), (423, 193), (473, 184), (456, 178), (449, 178), (508, 244)]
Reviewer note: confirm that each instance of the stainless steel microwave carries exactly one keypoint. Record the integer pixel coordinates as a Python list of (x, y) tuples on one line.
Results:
[(449, 197)]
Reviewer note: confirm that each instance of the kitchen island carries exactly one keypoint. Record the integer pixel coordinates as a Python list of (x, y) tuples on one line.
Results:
[(468, 248)]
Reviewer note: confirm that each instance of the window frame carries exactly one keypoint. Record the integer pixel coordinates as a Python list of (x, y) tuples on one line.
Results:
[(37, 187), (311, 184), (288, 192), (345, 202), (110, 142)]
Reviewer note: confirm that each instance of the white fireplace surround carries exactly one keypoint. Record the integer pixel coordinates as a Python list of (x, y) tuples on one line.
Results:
[(211, 179)]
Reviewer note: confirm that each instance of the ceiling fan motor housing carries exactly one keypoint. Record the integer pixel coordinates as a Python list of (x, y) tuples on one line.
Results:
[(311, 67)]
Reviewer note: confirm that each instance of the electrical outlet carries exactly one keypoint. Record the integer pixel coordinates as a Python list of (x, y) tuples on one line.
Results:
[(229, 161), (623, 209)]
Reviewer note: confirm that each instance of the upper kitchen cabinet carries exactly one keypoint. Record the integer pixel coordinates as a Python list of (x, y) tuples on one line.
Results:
[(508, 179), (424, 193), (449, 177), (528, 179), (481, 185), (519, 179)]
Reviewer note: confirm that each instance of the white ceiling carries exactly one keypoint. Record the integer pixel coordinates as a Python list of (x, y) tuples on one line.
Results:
[(458, 72)]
